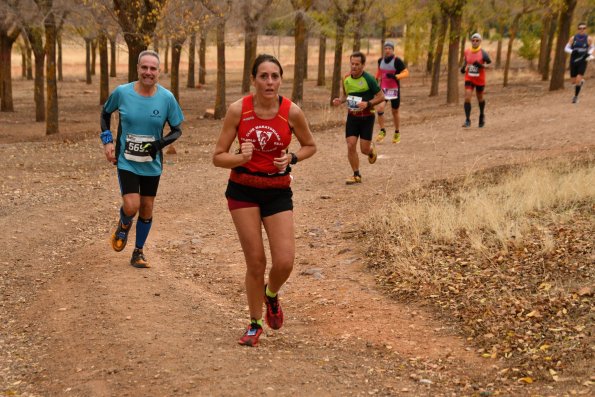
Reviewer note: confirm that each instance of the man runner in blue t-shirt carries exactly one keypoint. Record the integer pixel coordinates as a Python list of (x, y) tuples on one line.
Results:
[(580, 48), (144, 107)]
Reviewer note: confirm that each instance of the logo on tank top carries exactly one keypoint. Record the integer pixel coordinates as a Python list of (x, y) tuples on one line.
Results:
[(268, 138)]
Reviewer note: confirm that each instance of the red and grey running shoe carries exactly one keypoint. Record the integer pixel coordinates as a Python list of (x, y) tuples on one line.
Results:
[(274, 315), (250, 337)]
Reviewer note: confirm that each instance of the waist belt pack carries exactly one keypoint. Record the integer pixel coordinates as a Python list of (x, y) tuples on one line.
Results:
[(260, 180)]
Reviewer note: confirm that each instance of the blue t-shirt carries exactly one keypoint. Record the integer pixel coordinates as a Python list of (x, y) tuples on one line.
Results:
[(141, 120)]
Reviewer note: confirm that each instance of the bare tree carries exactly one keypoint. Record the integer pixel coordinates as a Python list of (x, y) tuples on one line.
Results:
[(202, 53), (437, 59), (253, 11), (454, 10), (103, 68), (518, 11), (190, 83)]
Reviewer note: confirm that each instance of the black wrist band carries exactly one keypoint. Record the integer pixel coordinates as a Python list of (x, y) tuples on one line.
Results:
[(294, 158)]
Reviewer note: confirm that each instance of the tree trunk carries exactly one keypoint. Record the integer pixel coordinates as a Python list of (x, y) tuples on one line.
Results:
[(23, 63), (462, 49), (7, 40), (220, 105), (29, 60), (88, 60), (59, 42), (339, 38), (557, 81), (452, 90), (442, 28), (36, 41), (191, 57), (357, 30), (543, 43), (93, 56), (176, 54), (321, 81), (103, 68), (383, 30), (297, 95), (432, 44), (166, 57), (511, 36), (550, 44), (51, 125), (202, 57), (501, 30), (250, 43), (113, 48)]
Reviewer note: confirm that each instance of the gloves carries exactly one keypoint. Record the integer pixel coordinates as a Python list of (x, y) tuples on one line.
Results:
[(463, 69), (152, 148), (477, 64), (391, 76)]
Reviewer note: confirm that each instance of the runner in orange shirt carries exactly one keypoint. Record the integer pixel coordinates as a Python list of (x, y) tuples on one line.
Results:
[(476, 60)]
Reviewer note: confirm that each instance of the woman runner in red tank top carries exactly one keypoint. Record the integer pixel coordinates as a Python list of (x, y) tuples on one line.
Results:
[(258, 191)]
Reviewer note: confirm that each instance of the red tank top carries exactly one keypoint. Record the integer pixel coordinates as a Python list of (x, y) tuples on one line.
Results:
[(474, 74), (269, 137)]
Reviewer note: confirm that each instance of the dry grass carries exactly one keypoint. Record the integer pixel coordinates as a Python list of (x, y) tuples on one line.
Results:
[(507, 255)]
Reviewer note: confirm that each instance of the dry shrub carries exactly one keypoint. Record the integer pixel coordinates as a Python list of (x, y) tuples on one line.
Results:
[(507, 254)]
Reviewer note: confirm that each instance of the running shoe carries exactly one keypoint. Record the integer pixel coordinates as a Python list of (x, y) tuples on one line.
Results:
[(120, 236), (381, 135), (138, 259), (397, 137), (353, 180), (467, 124), (574, 99), (482, 121), (373, 155), (274, 315), (250, 337)]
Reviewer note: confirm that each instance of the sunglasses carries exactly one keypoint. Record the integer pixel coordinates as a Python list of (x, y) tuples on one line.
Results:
[(582, 28)]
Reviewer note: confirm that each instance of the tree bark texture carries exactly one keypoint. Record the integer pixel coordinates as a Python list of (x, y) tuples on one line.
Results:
[(8, 35), (321, 81), (220, 105), (557, 81), (103, 68), (113, 49), (52, 109), (297, 94), (442, 29), (191, 58), (176, 54), (89, 79)]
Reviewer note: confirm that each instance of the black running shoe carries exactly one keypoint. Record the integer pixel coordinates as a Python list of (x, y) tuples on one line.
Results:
[(482, 121)]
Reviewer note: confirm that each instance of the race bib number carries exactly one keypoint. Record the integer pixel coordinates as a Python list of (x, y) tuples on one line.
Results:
[(391, 93), (134, 151), (473, 71), (352, 102)]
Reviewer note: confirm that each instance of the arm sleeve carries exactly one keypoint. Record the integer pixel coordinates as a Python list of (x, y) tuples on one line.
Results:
[(568, 49), (170, 138), (486, 57), (105, 120), (399, 65)]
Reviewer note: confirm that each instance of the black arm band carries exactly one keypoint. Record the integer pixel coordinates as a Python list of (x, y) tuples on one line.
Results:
[(294, 158), (170, 138), (105, 120)]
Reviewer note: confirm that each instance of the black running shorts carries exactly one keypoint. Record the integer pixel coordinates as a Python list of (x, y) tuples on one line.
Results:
[(133, 183), (270, 201), (469, 86), (395, 103), (362, 127), (577, 68)]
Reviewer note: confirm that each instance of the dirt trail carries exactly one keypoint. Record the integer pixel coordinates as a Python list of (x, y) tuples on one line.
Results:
[(77, 320)]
